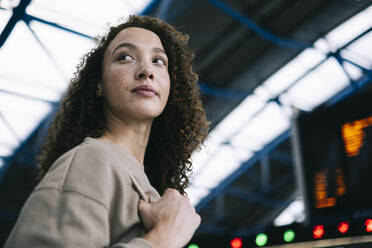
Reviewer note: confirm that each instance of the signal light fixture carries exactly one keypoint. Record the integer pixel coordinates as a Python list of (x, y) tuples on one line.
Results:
[(261, 239), (236, 243), (343, 227), (193, 246), (368, 224), (318, 231), (289, 236)]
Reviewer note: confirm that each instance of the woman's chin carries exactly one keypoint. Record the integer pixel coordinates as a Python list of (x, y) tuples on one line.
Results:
[(146, 115)]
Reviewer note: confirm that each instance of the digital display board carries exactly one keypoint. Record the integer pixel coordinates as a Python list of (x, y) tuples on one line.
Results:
[(334, 157)]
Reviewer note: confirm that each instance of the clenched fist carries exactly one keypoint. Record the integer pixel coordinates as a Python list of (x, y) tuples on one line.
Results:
[(171, 221)]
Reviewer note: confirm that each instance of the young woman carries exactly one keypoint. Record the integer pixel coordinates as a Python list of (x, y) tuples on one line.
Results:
[(123, 136)]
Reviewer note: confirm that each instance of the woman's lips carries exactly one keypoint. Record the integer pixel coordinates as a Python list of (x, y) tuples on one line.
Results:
[(145, 90), (145, 93)]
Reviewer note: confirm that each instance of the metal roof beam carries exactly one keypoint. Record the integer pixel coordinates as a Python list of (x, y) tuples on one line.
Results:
[(28, 18), (19, 13), (236, 174), (257, 29)]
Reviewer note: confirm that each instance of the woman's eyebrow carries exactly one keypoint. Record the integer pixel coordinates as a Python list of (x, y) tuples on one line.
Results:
[(134, 47), (159, 50), (126, 44)]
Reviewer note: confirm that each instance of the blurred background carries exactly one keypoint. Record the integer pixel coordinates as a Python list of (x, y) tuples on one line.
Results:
[(286, 85)]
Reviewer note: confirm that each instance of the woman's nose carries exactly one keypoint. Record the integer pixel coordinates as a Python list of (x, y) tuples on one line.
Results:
[(144, 73)]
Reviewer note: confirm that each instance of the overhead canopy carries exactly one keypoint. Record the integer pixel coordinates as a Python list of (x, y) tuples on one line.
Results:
[(256, 60)]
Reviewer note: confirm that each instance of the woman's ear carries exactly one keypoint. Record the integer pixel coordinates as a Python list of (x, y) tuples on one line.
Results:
[(99, 89)]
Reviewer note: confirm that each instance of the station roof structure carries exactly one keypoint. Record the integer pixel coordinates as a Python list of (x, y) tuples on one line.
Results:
[(257, 61)]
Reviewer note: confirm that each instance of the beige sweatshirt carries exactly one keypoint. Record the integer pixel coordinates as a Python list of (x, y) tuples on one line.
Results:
[(88, 198)]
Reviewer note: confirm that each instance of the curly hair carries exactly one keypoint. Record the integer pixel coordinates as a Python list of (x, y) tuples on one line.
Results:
[(175, 134)]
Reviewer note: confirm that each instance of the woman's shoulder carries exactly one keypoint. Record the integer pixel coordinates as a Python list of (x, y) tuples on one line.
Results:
[(89, 155), (91, 168)]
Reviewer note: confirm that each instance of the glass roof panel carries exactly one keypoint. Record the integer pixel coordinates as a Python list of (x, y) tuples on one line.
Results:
[(91, 17), (66, 54), (285, 76), (318, 86), (4, 17), (21, 116), (360, 51), (9, 4), (293, 213), (28, 90), (222, 163), (38, 61), (8, 141), (195, 194), (266, 125), (350, 29), (21, 57), (299, 83), (238, 118), (21, 75)]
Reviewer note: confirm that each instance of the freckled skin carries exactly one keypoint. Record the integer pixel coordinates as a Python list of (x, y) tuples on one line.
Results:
[(127, 67)]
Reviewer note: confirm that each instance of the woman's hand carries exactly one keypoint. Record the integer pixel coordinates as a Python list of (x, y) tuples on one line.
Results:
[(171, 221)]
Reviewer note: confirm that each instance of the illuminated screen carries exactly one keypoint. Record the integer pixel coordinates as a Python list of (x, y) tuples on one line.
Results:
[(336, 148)]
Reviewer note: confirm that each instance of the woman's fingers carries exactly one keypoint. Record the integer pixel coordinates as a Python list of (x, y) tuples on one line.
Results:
[(173, 214), (144, 210), (142, 205)]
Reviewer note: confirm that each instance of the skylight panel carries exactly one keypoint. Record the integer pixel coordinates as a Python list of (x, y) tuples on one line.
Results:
[(4, 17), (9, 4), (212, 143), (22, 114), (220, 165), (200, 158), (36, 65), (91, 17), (318, 86), (223, 163), (237, 118), (354, 72), (5, 150), (206, 157), (12, 86), (195, 194), (22, 57), (322, 46), (305, 82), (8, 141), (24, 70), (66, 54), (293, 213), (266, 125), (226, 128), (360, 51), (350, 29), (285, 76)]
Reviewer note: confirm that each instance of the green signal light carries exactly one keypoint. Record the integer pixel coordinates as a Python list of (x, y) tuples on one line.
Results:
[(261, 239), (193, 246), (289, 236)]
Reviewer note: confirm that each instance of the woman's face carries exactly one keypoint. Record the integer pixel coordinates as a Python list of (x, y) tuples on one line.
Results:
[(135, 82)]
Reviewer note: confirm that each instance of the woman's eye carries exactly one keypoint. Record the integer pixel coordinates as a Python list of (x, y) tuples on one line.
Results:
[(124, 56), (159, 61)]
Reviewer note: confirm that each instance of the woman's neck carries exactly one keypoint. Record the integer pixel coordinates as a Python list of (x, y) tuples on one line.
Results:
[(131, 136)]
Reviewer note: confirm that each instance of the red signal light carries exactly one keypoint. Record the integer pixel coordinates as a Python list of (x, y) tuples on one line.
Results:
[(318, 231), (368, 224), (236, 243), (343, 227)]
